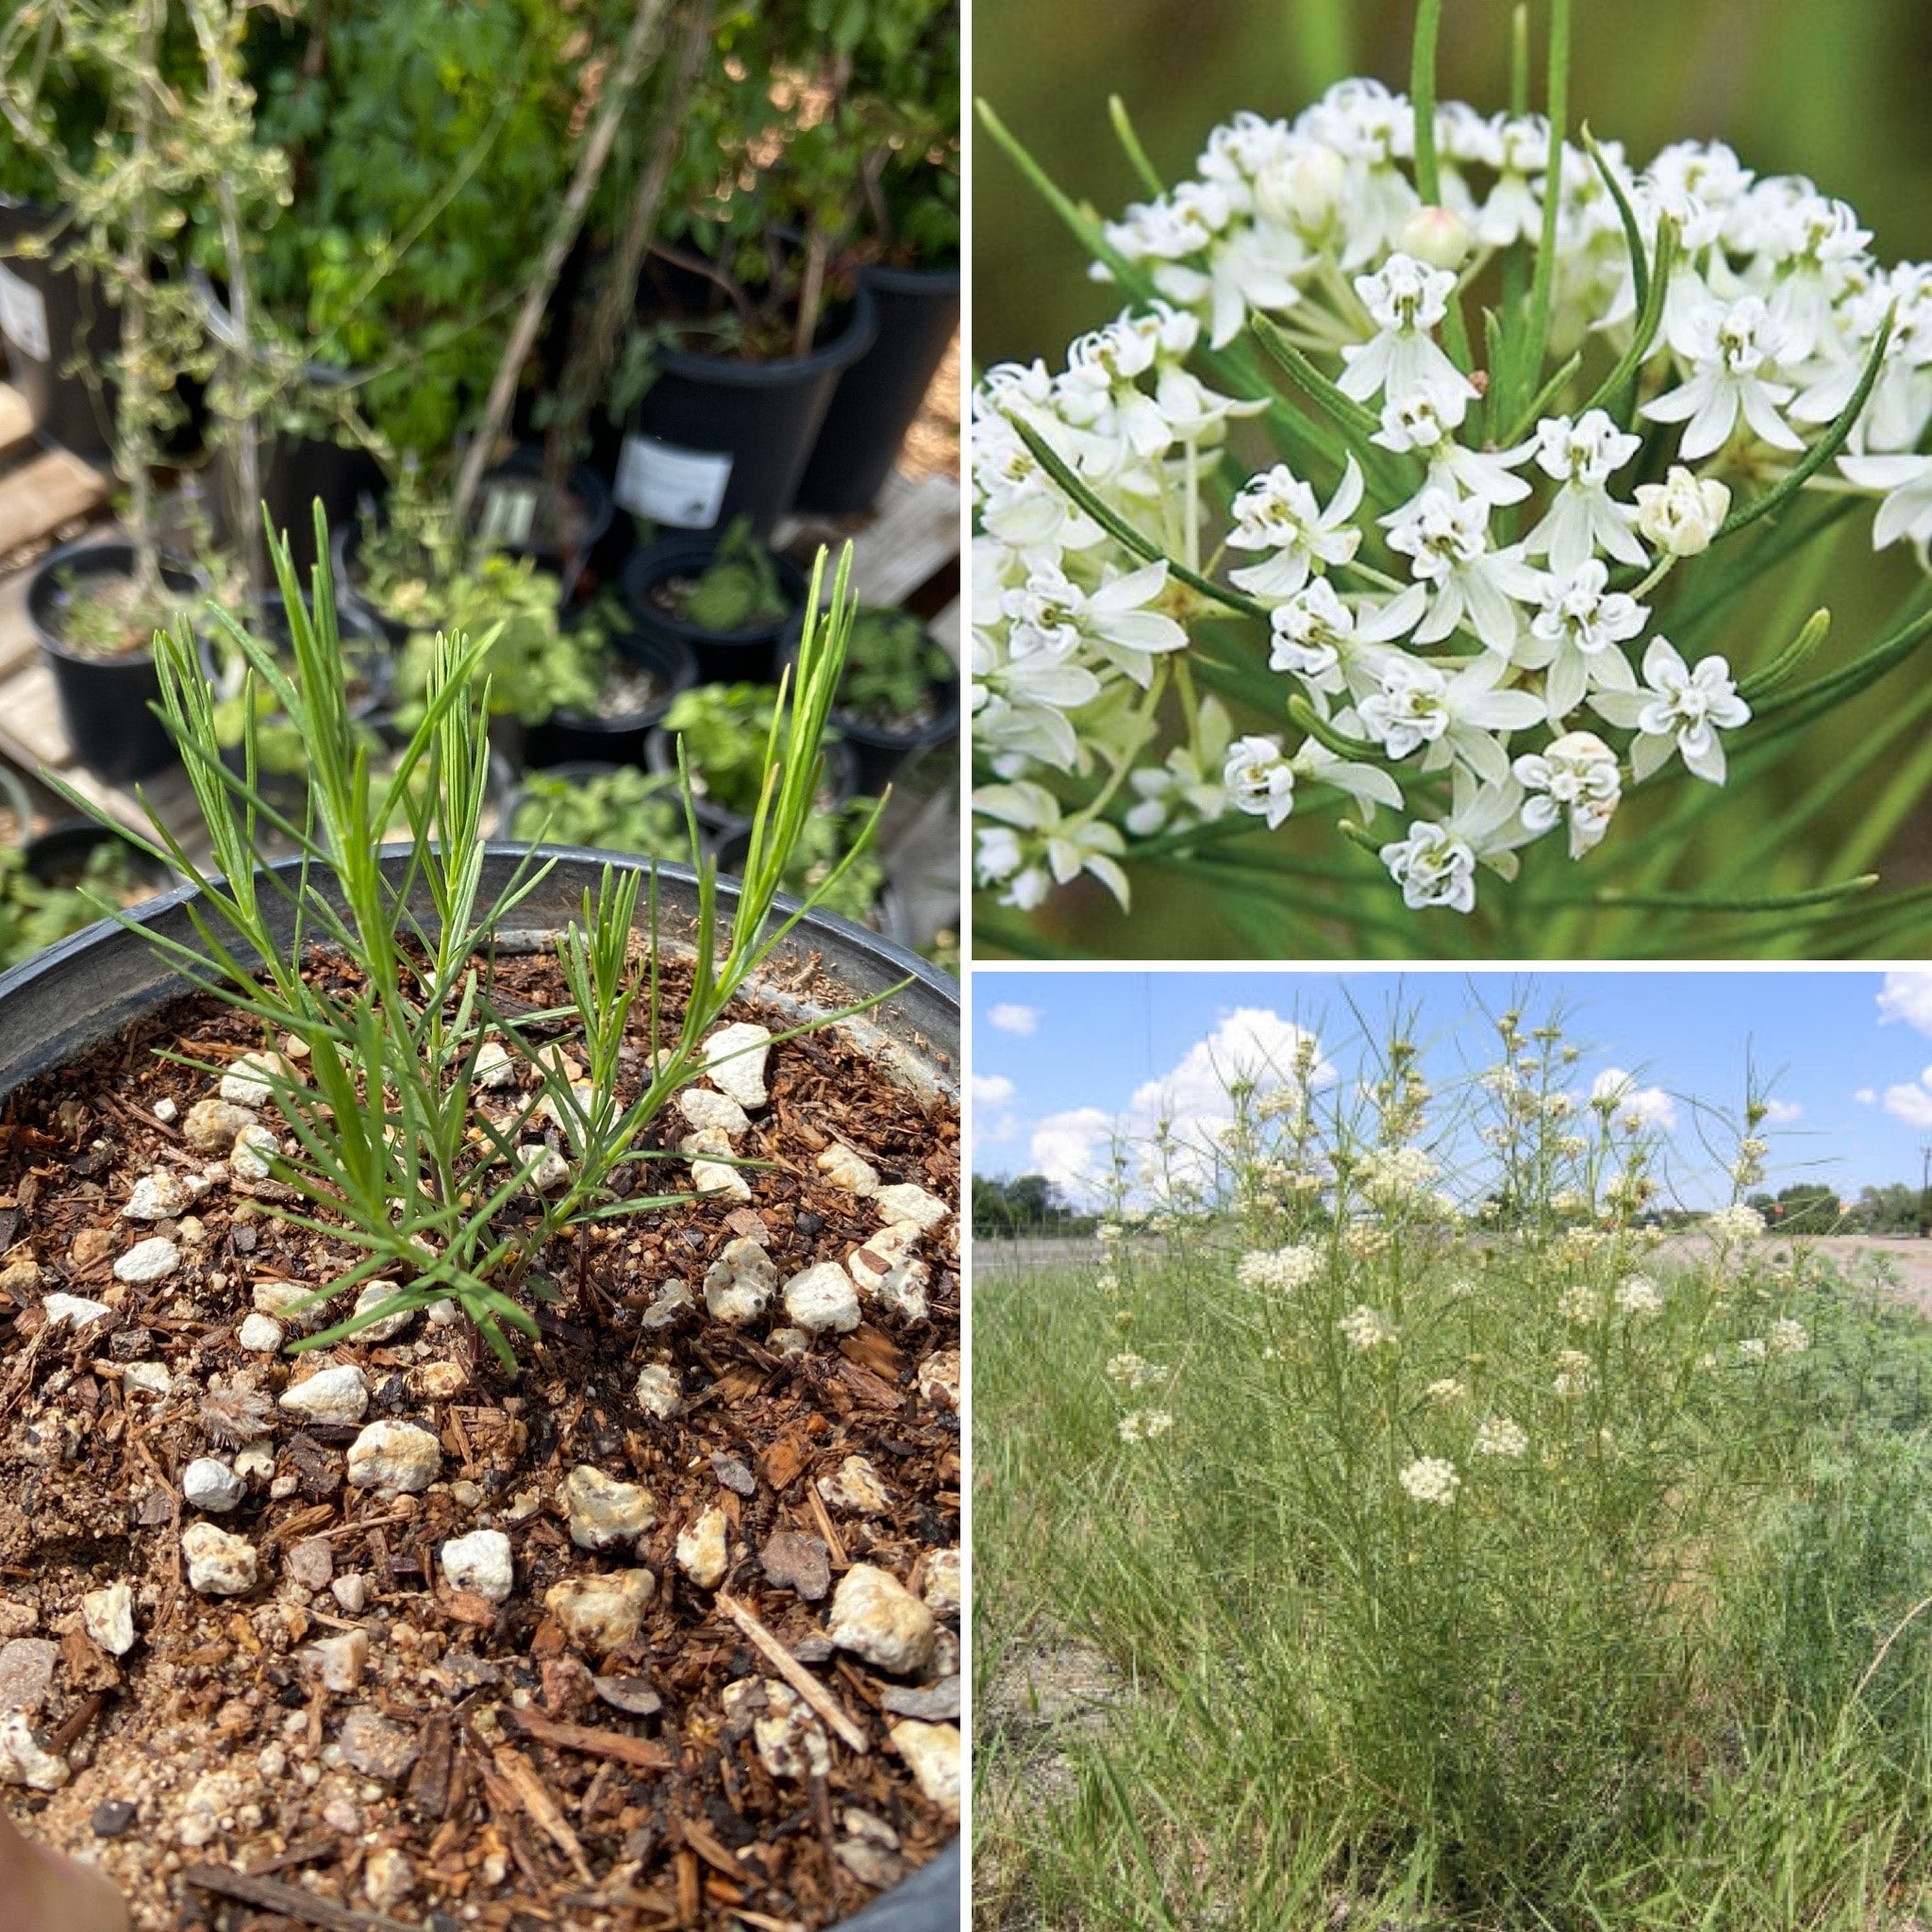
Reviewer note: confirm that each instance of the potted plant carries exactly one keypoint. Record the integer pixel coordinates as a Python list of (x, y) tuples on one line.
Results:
[(636, 679), (476, 1060), (725, 599), (900, 695), (899, 112), (716, 732), (602, 808)]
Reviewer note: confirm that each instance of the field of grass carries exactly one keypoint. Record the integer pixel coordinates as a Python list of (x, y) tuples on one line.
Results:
[(1341, 1562)]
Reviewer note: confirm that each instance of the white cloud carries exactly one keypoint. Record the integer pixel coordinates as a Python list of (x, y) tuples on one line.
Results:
[(1866, 1096), (1912, 1105), (1009, 1018), (1908, 996), (1651, 1105), (1781, 1113), (1071, 1149), (992, 1090)]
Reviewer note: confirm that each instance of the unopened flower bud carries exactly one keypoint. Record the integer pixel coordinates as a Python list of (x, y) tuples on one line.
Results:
[(1437, 235), (1682, 514), (1305, 190)]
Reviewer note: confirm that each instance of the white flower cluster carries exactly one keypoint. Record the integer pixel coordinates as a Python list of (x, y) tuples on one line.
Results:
[(1498, 1436), (1133, 1372), (1637, 1295), (1279, 1271), (1144, 1424), (1464, 605), (1736, 1222), (1395, 1174), (1431, 1479), (1367, 1328)]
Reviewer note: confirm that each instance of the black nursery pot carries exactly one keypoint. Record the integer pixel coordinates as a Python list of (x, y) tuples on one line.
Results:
[(344, 547), (879, 396), (104, 701), (294, 471), (877, 752), (838, 785), (521, 477), (49, 315), (567, 738), (724, 657), (59, 856), (715, 439)]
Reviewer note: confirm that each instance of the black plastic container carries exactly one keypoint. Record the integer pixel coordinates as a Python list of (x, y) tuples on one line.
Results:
[(878, 753), (570, 737), (51, 315), (735, 657), (59, 856), (104, 701), (522, 475), (879, 396), (715, 438), (838, 785)]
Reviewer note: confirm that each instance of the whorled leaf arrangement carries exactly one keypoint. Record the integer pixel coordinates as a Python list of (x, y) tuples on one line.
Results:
[(396, 1160), (1433, 470)]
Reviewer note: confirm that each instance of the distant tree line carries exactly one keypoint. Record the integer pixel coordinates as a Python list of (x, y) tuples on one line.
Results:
[(1029, 1204)]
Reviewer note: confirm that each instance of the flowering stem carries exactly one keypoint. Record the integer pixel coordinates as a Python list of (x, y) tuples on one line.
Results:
[(1421, 88), (1130, 144), (1557, 108)]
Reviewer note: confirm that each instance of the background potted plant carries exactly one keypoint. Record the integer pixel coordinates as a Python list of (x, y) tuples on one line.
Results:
[(899, 695), (725, 599), (602, 808)]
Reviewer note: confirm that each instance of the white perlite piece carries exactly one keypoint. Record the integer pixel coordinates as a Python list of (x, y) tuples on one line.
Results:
[(213, 1124), (218, 1564), (338, 1662), (788, 1739), (601, 1613), (394, 1456), (735, 1056), (875, 1616), (666, 1305), (351, 1592), (213, 1485), (933, 1753), (938, 1378), (713, 1176), (23, 1761), (544, 1169), (604, 1512), (844, 1169), (740, 1282), (279, 1299), (715, 1112), (246, 1082), (148, 1261), (890, 1248), (332, 1395), (161, 1196), (147, 1378), (900, 1287), (250, 1158), (480, 1563), (909, 1202), (822, 1297), (256, 1462), (107, 1616), (74, 1308), (703, 1549), (942, 1583), (658, 1392), (373, 1296), (856, 1486), (496, 1069), (165, 1111), (388, 1877), (259, 1334)]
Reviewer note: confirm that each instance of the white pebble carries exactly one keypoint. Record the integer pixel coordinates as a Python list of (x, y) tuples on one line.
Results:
[(735, 1058), (246, 1082), (703, 1554), (147, 1378), (21, 1759), (260, 1334), (544, 1169), (213, 1485), (148, 1261), (657, 1390), (908, 1203), (717, 1112), (479, 1563), (250, 1158), (74, 1308), (165, 1110), (933, 1753), (876, 1617), (604, 1511), (602, 1612), (822, 1297), (332, 1395), (496, 1069), (108, 1617), (218, 1564), (844, 1169), (373, 1296), (159, 1196), (740, 1282), (394, 1456), (351, 1592)]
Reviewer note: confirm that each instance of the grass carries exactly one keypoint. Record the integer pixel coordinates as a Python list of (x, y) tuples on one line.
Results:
[(1662, 1669)]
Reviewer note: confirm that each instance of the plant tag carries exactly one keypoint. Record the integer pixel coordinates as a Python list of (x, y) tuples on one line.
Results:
[(508, 510), (23, 317), (684, 488)]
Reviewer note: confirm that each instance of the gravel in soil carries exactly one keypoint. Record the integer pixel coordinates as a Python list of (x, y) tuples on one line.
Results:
[(595, 1645)]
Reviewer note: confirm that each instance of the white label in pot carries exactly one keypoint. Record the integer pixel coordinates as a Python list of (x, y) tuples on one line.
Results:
[(23, 317), (508, 510), (684, 488)]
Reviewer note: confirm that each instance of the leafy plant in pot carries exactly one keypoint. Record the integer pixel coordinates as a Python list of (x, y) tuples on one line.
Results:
[(713, 732), (470, 1056), (603, 808), (724, 599), (899, 697), (898, 111), (95, 605)]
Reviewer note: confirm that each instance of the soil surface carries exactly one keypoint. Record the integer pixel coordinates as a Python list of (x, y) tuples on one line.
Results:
[(355, 1740)]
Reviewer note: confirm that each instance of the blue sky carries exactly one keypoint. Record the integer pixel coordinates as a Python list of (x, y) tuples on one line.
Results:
[(1058, 1058)]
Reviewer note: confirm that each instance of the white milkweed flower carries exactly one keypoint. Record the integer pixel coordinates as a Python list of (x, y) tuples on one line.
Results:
[(1278, 512), (1279, 1271), (1404, 299), (1367, 1328), (1573, 638), (1032, 847), (1052, 615), (1445, 1392), (1575, 774), (1431, 1479), (1313, 636), (1737, 1222), (1423, 424), (1498, 1436), (1459, 576), (1144, 1424), (1583, 456), (1133, 1372), (1637, 1295), (1753, 1348), (1729, 345), (1580, 1303), (1258, 779), (1907, 510), (1459, 717), (1392, 1174), (1435, 864), (1785, 1337), (1683, 711), (1682, 514)]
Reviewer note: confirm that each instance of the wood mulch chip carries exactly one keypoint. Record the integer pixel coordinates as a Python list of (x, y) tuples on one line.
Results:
[(486, 1769)]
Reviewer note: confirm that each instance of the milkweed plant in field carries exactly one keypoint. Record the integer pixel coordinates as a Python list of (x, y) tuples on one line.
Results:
[(1460, 1550), (1407, 513)]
